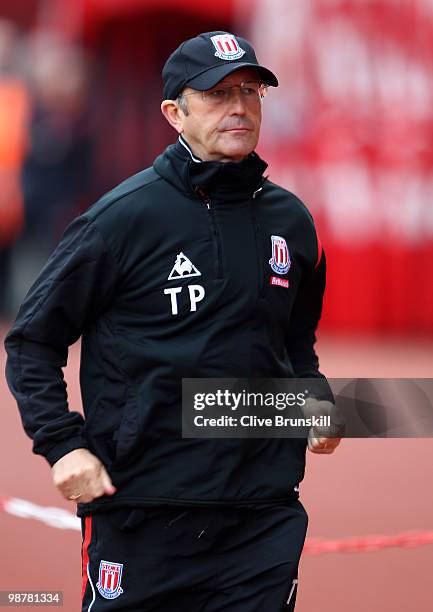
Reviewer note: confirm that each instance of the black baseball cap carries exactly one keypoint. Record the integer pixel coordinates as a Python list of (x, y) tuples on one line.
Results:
[(202, 62)]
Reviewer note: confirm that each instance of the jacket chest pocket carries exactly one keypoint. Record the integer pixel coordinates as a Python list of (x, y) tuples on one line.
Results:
[(280, 274)]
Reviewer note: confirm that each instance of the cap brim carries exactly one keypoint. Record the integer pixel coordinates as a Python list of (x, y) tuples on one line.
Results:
[(210, 77)]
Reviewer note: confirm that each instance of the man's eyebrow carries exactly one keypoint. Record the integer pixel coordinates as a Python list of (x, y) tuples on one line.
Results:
[(247, 80)]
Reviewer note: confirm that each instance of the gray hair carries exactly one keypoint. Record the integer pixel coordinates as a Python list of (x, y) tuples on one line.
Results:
[(183, 105)]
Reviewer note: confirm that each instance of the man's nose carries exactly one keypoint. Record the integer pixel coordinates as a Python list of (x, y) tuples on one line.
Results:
[(236, 102)]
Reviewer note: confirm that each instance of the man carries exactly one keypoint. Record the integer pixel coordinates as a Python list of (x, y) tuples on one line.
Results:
[(198, 267)]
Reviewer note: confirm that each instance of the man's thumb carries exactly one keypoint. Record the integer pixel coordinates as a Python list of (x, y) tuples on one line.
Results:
[(109, 488)]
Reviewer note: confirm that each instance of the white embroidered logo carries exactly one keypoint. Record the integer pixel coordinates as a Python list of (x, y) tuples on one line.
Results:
[(227, 47), (183, 268)]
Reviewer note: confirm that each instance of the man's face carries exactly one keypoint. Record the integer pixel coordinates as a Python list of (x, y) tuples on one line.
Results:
[(225, 131)]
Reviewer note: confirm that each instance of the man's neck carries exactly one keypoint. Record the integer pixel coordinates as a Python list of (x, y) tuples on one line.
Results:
[(199, 160)]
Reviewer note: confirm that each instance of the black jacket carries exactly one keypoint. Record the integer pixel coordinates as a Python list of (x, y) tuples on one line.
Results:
[(207, 225)]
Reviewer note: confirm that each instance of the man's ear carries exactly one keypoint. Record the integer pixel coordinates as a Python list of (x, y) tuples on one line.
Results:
[(171, 111)]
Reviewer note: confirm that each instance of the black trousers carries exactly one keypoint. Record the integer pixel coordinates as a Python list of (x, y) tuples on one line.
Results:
[(193, 560)]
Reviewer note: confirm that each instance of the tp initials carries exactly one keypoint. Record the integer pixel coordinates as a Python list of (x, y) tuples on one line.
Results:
[(196, 294)]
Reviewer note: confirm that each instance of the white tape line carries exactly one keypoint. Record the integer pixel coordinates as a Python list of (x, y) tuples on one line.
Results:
[(54, 517)]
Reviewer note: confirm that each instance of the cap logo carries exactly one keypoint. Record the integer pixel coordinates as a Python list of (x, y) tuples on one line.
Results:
[(227, 47)]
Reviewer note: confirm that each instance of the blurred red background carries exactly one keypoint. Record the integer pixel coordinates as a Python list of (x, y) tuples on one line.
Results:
[(349, 130)]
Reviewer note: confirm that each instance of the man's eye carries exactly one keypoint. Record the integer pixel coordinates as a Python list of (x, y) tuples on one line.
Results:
[(218, 93), (249, 91)]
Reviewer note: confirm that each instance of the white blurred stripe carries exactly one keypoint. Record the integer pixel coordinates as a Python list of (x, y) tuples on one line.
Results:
[(53, 517)]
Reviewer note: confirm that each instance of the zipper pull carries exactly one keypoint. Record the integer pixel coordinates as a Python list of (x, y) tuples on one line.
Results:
[(203, 196), (257, 191)]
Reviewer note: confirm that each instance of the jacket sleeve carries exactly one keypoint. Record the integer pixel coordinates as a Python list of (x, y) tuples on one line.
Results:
[(76, 283), (301, 335)]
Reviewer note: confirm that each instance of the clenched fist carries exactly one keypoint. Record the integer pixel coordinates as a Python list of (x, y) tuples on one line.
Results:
[(81, 477), (324, 439)]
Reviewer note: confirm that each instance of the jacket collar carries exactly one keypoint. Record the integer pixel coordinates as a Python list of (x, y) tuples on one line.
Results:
[(186, 146), (221, 182)]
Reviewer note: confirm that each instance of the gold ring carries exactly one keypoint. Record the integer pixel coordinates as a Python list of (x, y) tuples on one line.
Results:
[(73, 497)]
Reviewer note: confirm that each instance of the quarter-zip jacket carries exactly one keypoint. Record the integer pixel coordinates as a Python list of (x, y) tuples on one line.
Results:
[(169, 276)]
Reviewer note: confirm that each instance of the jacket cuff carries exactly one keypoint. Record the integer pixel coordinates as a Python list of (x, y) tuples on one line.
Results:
[(63, 448), (319, 388)]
